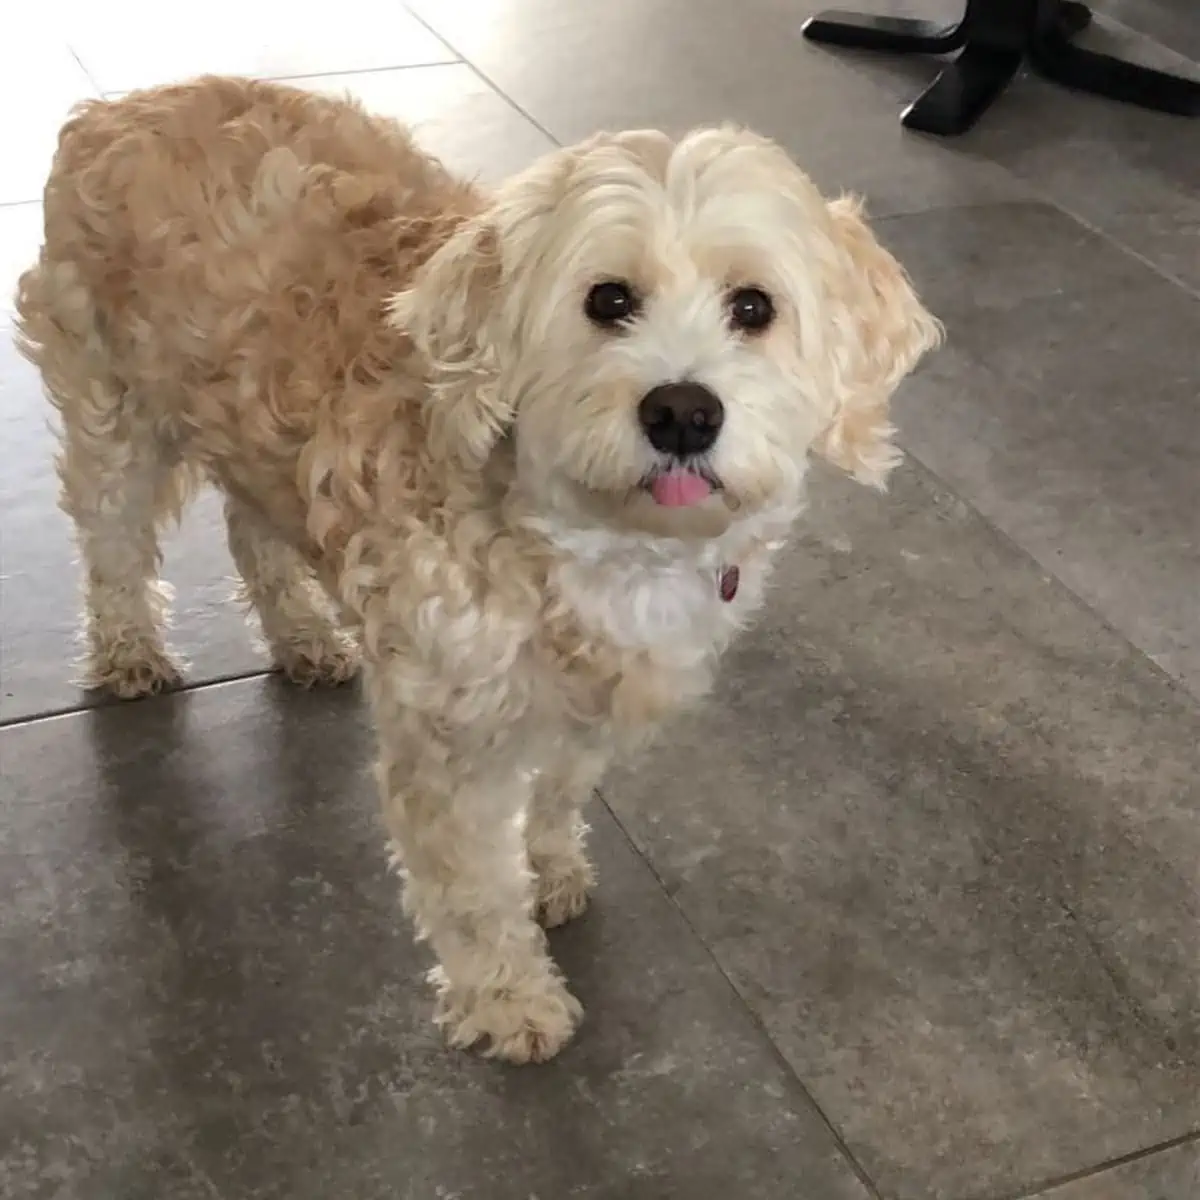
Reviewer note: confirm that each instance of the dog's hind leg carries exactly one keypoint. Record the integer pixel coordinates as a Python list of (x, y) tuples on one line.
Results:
[(121, 479), (119, 486), (297, 618)]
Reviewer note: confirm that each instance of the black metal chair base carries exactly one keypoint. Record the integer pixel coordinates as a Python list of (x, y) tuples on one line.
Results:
[(993, 38)]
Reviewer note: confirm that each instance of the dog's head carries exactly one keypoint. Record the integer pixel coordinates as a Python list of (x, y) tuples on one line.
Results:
[(667, 329)]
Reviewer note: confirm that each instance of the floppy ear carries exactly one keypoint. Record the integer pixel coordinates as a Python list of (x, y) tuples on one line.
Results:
[(882, 330), (449, 312)]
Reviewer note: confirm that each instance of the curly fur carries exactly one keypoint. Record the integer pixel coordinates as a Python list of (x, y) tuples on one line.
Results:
[(432, 459)]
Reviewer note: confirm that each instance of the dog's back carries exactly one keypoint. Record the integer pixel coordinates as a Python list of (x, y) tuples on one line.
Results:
[(216, 263)]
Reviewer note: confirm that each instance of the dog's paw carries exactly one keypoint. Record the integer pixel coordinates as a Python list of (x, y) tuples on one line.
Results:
[(131, 670), (562, 887), (323, 660), (529, 1020)]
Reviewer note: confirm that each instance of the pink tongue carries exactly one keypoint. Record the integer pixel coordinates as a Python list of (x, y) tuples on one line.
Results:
[(679, 489)]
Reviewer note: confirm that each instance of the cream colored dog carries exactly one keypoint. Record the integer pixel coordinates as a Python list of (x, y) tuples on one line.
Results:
[(529, 452)]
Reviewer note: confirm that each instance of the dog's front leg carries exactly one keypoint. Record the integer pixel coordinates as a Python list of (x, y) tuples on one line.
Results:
[(556, 832), (459, 832)]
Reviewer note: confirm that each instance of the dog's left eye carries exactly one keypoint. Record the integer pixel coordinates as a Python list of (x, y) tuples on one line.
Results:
[(750, 309), (610, 303)]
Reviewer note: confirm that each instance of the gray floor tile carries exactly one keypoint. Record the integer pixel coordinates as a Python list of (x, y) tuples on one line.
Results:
[(941, 827), (1169, 1175), (129, 45), (1169, 22), (208, 985), (40, 80), (1065, 409), (576, 68), (20, 237), (466, 122), (1132, 174)]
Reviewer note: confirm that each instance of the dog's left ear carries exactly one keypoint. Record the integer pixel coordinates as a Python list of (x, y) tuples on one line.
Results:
[(881, 332), (449, 313)]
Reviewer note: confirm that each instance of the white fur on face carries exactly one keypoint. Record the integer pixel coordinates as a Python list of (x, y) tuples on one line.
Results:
[(718, 214)]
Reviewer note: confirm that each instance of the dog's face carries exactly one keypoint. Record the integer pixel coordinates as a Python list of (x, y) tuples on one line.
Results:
[(667, 329)]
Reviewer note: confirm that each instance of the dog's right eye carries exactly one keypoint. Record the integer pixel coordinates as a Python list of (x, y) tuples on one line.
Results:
[(610, 303)]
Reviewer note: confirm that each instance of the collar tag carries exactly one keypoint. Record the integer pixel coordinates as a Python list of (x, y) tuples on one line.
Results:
[(727, 584)]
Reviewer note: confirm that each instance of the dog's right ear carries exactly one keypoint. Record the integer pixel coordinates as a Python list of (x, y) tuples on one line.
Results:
[(449, 313), (882, 330)]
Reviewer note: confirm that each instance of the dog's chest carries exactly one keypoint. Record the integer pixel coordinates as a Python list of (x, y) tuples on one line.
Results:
[(681, 611)]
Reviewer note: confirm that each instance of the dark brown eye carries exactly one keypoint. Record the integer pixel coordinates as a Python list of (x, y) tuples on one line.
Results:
[(610, 303), (750, 309)]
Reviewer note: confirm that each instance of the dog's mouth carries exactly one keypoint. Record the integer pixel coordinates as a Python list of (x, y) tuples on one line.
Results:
[(675, 500), (680, 485)]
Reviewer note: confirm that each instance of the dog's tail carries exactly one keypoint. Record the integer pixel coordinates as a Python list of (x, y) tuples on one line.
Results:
[(58, 329), (36, 325)]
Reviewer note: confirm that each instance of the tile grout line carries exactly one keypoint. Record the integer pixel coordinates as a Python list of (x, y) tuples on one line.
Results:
[(83, 67), (1111, 239), (1048, 1186), (421, 66), (1046, 200), (416, 16), (1123, 988), (1036, 1191), (1177, 686), (756, 1021), (71, 710), (117, 93)]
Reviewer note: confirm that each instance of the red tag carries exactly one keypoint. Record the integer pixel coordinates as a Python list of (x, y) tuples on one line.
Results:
[(728, 584)]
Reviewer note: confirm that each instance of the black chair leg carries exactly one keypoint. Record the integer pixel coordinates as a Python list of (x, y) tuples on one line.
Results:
[(899, 35), (967, 86), (994, 37), (1051, 54)]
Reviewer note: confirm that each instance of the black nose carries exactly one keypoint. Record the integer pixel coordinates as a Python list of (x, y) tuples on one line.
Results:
[(681, 418)]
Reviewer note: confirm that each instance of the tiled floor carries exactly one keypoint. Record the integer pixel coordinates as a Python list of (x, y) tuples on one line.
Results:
[(910, 911)]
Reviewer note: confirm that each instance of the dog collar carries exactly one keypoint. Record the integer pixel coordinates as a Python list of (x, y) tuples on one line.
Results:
[(727, 583)]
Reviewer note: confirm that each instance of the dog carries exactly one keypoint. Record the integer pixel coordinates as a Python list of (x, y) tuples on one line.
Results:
[(526, 453)]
